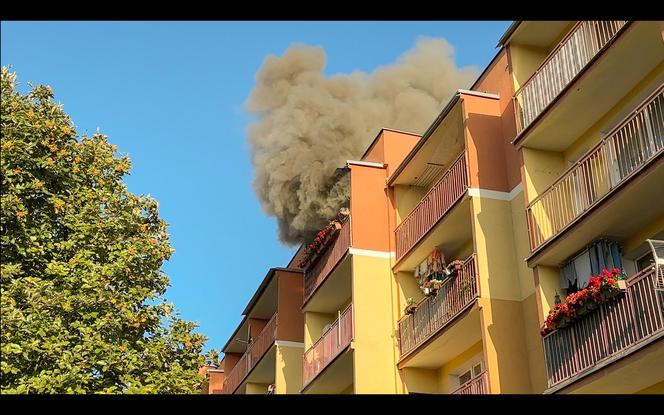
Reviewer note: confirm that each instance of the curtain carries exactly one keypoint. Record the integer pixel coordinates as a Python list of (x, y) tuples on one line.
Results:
[(568, 275), (583, 264)]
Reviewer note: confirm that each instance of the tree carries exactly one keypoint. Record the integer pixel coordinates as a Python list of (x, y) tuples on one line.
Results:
[(80, 260)]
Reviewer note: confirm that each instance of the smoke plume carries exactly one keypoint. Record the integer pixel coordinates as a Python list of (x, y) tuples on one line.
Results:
[(307, 125)]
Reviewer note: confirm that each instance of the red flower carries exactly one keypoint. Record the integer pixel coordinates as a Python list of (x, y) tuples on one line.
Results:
[(615, 271)]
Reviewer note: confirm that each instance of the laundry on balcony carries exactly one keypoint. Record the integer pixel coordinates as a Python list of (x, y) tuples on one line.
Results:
[(432, 268), (600, 254)]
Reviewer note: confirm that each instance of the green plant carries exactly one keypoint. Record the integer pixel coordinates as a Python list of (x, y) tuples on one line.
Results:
[(410, 306), (80, 265)]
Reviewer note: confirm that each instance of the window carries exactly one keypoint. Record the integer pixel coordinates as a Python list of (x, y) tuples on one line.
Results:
[(477, 370), (470, 374), (644, 262), (465, 377)]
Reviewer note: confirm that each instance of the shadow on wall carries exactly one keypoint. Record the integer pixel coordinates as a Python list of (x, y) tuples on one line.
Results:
[(506, 331)]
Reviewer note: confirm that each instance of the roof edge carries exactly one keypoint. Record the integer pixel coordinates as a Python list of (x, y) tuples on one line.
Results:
[(425, 137), (375, 139), (263, 286), (508, 33)]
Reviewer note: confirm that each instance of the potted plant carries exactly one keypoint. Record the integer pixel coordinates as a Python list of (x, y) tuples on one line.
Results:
[(436, 285), (600, 288), (410, 306), (455, 265)]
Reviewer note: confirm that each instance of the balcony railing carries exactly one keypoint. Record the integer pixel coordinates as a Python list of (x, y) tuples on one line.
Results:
[(433, 206), (476, 386), (572, 54), (617, 326), (321, 266), (630, 146), (435, 312), (335, 339), (251, 356)]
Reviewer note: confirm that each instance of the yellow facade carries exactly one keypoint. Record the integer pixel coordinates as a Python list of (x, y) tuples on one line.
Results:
[(288, 379), (373, 303), (621, 212), (484, 335)]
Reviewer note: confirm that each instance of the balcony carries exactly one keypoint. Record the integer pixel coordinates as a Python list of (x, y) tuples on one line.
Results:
[(255, 351), (333, 341), (617, 328), (476, 386), (628, 149), (438, 201), (325, 262), (629, 63), (433, 313), (564, 63)]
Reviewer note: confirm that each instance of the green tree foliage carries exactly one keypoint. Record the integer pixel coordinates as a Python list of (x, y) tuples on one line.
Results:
[(80, 256)]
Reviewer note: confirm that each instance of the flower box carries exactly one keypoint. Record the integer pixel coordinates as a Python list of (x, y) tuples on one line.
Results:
[(601, 288), (320, 242)]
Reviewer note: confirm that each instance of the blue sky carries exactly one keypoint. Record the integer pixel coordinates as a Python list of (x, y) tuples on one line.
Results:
[(171, 95)]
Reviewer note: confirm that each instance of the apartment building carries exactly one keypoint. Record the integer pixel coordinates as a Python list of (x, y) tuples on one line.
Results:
[(349, 291), (214, 378), (455, 245), (590, 134), (264, 353), (458, 197)]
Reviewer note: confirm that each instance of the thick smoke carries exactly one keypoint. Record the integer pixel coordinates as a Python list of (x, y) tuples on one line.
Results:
[(308, 124)]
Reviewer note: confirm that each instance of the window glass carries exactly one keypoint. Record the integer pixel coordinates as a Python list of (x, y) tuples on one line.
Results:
[(644, 262), (464, 378)]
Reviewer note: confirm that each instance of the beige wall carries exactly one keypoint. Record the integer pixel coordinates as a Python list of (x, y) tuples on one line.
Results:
[(313, 326), (437, 380), (657, 388), (288, 379), (505, 349), (373, 304), (407, 197), (619, 112), (256, 388)]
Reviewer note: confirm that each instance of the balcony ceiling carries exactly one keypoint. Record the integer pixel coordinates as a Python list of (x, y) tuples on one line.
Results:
[(539, 34), (266, 305), (622, 215), (264, 371), (334, 292), (441, 148), (335, 378), (241, 333), (450, 235), (599, 89)]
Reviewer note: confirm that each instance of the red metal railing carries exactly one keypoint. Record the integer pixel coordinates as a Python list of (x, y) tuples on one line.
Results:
[(335, 339), (476, 386), (433, 313), (615, 327), (573, 53), (626, 149), (251, 356), (321, 267), (433, 206)]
